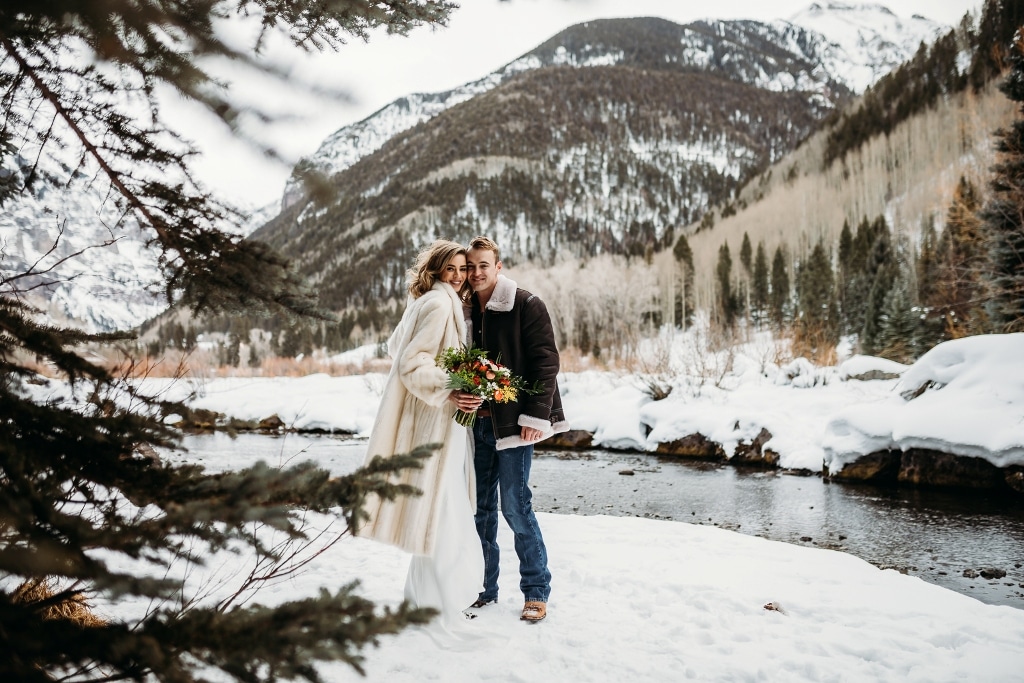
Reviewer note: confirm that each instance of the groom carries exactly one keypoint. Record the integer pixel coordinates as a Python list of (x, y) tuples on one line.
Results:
[(513, 326)]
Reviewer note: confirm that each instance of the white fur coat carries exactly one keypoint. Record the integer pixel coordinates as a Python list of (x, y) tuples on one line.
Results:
[(414, 411)]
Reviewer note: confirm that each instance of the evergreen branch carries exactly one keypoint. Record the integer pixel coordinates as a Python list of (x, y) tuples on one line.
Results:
[(93, 151), (79, 473), (263, 644)]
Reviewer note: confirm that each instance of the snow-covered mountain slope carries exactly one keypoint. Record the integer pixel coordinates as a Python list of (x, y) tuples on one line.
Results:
[(557, 162), (89, 263), (830, 44), (864, 41)]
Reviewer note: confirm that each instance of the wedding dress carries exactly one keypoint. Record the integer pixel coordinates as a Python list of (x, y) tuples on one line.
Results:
[(451, 578)]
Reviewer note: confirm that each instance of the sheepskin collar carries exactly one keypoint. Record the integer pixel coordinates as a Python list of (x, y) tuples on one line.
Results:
[(504, 295)]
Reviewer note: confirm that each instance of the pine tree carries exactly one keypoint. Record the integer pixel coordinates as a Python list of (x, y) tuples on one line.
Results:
[(881, 270), (780, 288), (291, 341), (1003, 214), (931, 327), (746, 254), (997, 27), (844, 255), (254, 360), (818, 326), (898, 324), (814, 286), (684, 302), (845, 248), (959, 255), (232, 350), (927, 275), (727, 302), (861, 274), (759, 287), (189, 341), (68, 470)]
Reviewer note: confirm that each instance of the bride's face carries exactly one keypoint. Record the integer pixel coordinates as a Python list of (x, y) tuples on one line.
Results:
[(455, 272)]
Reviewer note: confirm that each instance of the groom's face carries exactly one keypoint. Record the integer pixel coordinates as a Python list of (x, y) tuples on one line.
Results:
[(483, 270)]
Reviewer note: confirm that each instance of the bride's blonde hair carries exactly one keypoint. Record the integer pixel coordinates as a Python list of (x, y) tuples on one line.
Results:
[(429, 265)]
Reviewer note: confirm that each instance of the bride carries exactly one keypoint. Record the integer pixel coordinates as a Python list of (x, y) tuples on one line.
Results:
[(447, 567)]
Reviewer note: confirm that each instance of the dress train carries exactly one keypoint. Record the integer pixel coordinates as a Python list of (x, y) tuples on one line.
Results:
[(451, 578)]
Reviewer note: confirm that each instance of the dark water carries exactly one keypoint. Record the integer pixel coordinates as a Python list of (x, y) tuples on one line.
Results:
[(930, 534)]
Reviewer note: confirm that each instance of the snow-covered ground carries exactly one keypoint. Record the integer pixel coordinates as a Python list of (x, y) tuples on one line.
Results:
[(646, 600), (652, 600), (637, 599), (971, 402)]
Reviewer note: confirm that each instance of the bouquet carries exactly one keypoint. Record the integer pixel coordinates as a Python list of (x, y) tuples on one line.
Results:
[(471, 371)]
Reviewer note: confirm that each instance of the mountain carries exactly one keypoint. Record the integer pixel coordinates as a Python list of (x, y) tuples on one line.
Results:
[(605, 139), (864, 41), (559, 161), (638, 155), (88, 261), (837, 46)]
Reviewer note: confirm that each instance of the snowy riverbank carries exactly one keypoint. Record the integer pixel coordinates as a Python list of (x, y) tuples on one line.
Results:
[(970, 402)]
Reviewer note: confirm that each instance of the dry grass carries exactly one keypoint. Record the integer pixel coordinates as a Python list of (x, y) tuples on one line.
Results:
[(73, 608), (204, 365), (572, 359), (814, 345)]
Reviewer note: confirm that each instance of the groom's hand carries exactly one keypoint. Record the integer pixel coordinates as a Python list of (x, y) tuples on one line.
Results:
[(531, 434)]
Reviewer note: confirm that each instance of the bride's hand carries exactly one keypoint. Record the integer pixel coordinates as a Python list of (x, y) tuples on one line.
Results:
[(465, 401)]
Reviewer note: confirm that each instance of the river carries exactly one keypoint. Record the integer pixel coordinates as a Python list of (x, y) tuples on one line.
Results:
[(934, 535)]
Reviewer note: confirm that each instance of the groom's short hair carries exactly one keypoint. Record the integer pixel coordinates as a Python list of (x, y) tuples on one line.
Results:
[(481, 242)]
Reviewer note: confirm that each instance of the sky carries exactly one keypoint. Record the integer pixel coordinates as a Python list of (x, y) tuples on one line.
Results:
[(482, 36)]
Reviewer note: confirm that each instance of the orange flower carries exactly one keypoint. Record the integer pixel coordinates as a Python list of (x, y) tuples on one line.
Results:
[(498, 396)]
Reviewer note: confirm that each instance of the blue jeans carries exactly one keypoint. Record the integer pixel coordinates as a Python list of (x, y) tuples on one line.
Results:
[(509, 472)]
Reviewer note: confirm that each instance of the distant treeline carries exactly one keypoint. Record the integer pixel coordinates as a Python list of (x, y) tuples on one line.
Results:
[(934, 72)]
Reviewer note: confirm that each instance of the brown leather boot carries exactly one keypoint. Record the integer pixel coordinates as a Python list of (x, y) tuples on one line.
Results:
[(534, 611)]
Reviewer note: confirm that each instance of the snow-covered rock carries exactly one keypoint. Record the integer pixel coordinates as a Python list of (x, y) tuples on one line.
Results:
[(964, 397)]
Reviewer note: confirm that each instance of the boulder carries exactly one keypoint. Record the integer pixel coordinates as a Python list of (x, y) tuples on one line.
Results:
[(1015, 478), (574, 438), (992, 573), (878, 467), (754, 454), (874, 375), (201, 419), (692, 446), (923, 467), (271, 424), (928, 468)]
